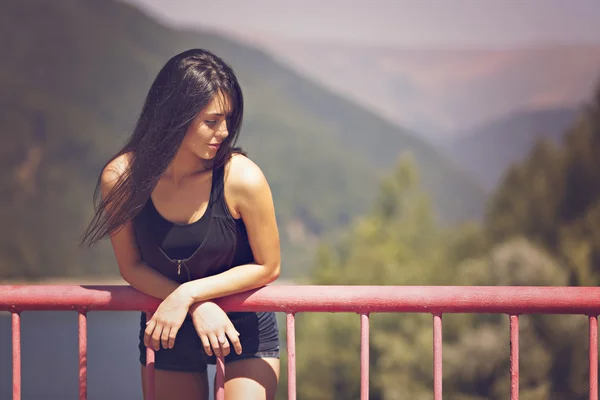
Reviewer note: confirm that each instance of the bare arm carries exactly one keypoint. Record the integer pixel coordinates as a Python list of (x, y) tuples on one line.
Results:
[(251, 196), (132, 268), (253, 201)]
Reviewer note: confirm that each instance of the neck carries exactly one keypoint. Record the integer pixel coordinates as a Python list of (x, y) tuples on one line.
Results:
[(184, 165)]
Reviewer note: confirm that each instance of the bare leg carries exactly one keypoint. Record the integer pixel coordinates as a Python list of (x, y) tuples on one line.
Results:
[(252, 379), (178, 385)]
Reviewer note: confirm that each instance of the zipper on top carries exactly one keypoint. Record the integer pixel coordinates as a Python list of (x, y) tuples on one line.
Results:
[(179, 264)]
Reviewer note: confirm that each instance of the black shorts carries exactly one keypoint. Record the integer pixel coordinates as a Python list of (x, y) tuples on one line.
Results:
[(259, 337)]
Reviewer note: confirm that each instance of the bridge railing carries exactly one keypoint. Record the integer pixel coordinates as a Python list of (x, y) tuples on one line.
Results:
[(362, 300)]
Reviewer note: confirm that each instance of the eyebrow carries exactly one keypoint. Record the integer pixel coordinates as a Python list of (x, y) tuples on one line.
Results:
[(215, 114)]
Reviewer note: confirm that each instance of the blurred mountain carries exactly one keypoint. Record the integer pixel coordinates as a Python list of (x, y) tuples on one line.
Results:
[(444, 92), (73, 77), (488, 151)]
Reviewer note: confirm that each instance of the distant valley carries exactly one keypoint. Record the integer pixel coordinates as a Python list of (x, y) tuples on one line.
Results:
[(487, 151), (441, 93)]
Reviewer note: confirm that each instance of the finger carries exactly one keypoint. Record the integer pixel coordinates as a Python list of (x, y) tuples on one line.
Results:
[(215, 344), (148, 332), (172, 336), (224, 344), (234, 338), (206, 344), (164, 337), (156, 337)]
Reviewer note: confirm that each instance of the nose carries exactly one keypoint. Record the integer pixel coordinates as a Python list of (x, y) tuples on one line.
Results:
[(223, 132)]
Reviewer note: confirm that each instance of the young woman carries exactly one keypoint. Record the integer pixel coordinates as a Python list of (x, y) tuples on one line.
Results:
[(190, 219)]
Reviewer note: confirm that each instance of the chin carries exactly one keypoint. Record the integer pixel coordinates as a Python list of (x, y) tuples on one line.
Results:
[(206, 155), (209, 155)]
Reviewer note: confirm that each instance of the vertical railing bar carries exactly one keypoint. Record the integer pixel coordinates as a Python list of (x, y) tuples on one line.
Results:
[(364, 356), (82, 319), (220, 381), (16, 354), (593, 333), (437, 356), (291, 355), (514, 357), (150, 389)]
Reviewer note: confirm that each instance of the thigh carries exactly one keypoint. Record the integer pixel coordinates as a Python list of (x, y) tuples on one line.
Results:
[(177, 385), (252, 379)]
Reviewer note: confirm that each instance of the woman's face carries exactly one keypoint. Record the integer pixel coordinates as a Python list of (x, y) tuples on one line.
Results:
[(209, 128)]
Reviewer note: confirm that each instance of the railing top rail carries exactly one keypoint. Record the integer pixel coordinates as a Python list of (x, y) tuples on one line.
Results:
[(308, 298)]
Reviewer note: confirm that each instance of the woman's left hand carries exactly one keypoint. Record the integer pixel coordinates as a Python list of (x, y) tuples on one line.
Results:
[(166, 321)]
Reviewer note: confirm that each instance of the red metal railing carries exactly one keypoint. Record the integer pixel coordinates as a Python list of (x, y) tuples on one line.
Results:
[(363, 300)]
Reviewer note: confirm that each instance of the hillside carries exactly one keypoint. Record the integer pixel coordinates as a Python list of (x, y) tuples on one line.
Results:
[(440, 91), (487, 151), (74, 75)]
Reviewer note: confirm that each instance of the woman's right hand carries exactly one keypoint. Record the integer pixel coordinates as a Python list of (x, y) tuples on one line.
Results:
[(214, 327)]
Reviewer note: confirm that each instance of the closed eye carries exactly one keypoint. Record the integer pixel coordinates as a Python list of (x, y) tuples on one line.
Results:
[(210, 122)]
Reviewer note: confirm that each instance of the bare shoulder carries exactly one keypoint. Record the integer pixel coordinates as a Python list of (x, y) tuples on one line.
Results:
[(246, 186), (113, 172), (244, 176)]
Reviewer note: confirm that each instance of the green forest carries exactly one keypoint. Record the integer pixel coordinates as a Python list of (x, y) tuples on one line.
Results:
[(542, 227)]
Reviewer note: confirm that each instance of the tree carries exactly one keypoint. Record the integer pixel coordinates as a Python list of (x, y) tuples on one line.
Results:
[(396, 243)]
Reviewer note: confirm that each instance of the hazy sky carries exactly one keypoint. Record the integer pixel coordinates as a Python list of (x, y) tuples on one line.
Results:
[(392, 22)]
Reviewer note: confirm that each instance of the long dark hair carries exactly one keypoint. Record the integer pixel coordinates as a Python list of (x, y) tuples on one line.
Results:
[(181, 90)]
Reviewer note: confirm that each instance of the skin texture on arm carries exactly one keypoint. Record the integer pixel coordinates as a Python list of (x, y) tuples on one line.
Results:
[(251, 200), (133, 270)]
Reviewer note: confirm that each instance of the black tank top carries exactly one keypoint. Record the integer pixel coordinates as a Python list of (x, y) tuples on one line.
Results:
[(209, 246)]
